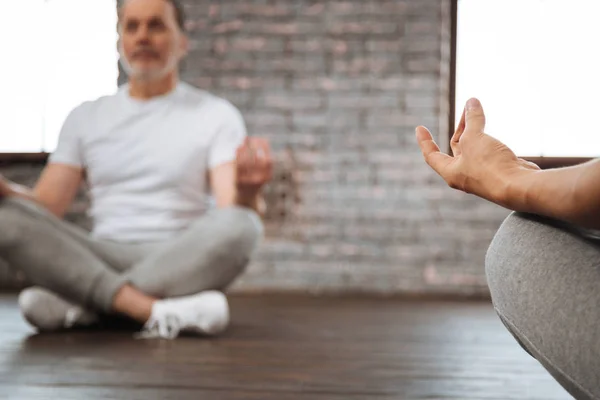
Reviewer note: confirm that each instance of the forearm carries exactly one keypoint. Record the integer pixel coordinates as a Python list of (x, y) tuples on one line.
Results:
[(569, 194), (12, 189)]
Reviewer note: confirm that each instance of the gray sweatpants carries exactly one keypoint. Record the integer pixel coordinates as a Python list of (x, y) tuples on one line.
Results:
[(544, 277), (66, 260)]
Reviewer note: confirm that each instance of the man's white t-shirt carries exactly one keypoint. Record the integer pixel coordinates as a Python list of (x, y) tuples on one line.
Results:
[(146, 161)]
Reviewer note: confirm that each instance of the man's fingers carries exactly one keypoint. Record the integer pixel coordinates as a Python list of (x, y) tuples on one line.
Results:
[(243, 159), (474, 117), (264, 163), (431, 152), (241, 154), (254, 161), (425, 141), (262, 150)]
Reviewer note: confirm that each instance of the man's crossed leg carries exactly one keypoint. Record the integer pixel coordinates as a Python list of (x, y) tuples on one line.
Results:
[(169, 286)]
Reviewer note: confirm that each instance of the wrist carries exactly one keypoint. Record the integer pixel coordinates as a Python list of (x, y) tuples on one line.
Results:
[(551, 193), (244, 193), (250, 198), (517, 193)]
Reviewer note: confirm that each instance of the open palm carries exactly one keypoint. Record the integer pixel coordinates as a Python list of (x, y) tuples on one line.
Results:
[(480, 164)]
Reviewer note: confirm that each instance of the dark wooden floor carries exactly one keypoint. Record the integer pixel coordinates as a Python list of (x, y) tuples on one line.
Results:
[(284, 348)]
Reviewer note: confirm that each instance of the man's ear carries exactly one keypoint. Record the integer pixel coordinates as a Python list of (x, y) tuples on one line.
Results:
[(184, 46)]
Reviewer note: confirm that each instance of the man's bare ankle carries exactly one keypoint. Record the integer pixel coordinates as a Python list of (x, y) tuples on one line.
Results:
[(133, 303)]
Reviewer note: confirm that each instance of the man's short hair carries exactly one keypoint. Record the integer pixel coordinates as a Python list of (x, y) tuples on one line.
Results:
[(179, 13)]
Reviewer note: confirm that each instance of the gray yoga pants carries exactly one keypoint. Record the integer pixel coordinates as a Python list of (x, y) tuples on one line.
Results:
[(544, 278), (66, 260)]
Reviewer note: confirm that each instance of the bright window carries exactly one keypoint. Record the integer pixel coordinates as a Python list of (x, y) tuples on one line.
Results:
[(56, 54), (535, 66)]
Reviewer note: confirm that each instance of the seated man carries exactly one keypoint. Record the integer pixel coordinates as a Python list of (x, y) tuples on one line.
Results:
[(151, 153), (543, 266)]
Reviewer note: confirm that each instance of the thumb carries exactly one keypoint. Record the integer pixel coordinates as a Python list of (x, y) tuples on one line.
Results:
[(474, 117)]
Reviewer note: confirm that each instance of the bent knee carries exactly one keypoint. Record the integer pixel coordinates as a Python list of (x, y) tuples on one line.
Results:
[(531, 256), (242, 228), (543, 280), (505, 251), (16, 218), (11, 217), (516, 255)]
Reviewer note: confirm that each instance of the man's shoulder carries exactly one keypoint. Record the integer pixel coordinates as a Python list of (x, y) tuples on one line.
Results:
[(89, 106), (209, 101)]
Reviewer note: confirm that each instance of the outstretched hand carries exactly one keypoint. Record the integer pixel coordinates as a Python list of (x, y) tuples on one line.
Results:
[(253, 164), (480, 165)]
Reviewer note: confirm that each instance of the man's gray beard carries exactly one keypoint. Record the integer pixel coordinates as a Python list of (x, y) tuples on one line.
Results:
[(146, 76)]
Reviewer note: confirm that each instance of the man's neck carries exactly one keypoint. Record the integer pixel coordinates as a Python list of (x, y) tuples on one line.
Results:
[(142, 89)]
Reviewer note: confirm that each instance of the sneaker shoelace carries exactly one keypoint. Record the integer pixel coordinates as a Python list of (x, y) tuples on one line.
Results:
[(167, 327)]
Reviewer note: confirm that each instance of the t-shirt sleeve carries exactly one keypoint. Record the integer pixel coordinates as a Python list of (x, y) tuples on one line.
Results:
[(68, 149), (231, 132)]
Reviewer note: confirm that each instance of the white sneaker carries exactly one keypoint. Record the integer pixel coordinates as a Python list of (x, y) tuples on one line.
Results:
[(205, 313), (47, 311)]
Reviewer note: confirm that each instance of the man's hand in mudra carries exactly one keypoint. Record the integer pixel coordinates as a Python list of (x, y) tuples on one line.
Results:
[(480, 164)]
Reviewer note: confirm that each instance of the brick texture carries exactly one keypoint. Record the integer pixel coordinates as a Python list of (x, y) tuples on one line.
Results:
[(338, 88)]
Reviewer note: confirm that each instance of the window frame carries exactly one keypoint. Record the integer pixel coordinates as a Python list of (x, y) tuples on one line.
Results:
[(542, 162), (19, 158)]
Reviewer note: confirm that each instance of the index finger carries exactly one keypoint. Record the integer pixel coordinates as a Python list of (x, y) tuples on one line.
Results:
[(261, 147), (437, 160)]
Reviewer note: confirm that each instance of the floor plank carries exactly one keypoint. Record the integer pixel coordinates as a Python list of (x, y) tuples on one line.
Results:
[(285, 347)]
